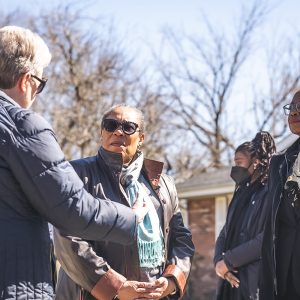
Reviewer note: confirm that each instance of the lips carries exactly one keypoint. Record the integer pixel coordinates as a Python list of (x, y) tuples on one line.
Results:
[(117, 144), (294, 121)]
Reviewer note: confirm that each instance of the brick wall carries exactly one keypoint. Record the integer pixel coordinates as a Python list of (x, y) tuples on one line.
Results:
[(202, 224)]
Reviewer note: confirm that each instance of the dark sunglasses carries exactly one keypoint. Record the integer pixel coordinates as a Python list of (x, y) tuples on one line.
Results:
[(293, 107), (111, 125), (42, 84)]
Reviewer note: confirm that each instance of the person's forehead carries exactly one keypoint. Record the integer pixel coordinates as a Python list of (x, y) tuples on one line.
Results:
[(124, 113), (296, 98), (241, 155)]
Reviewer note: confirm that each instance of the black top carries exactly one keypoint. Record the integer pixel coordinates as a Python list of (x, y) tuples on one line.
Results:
[(288, 242), (281, 239)]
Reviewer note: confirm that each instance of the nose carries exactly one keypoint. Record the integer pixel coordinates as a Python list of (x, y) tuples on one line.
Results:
[(119, 131), (294, 113)]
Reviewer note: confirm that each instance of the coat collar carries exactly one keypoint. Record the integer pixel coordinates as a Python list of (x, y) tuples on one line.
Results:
[(113, 160), (295, 145), (152, 168)]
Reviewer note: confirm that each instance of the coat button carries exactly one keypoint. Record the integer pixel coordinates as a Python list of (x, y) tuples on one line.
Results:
[(164, 201), (167, 230)]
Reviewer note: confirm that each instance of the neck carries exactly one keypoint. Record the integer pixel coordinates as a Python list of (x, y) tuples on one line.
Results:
[(12, 93)]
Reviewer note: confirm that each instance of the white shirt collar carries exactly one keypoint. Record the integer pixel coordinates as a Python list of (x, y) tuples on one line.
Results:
[(12, 101)]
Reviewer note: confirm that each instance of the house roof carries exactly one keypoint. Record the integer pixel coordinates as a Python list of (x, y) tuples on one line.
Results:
[(212, 183)]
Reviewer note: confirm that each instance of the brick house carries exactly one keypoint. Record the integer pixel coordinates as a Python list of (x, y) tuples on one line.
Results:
[(204, 200)]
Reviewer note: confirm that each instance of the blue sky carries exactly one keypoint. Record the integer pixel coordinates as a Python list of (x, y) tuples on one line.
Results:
[(141, 22), (146, 18)]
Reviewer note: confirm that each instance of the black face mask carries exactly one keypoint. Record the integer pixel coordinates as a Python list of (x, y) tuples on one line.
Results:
[(240, 174)]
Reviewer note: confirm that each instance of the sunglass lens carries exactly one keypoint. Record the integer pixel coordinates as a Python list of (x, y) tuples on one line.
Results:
[(40, 88), (129, 128), (110, 125)]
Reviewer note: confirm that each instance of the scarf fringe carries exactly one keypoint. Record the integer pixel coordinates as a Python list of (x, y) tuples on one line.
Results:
[(151, 253)]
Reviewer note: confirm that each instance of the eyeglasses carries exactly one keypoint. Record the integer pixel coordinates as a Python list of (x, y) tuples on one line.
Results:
[(111, 125), (292, 107), (42, 84)]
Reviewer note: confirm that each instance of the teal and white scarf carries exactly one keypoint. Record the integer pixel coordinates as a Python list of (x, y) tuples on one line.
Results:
[(149, 233)]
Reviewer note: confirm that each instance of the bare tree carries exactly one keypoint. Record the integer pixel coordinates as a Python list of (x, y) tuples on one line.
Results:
[(283, 79), (156, 111), (12, 18), (201, 79), (89, 73)]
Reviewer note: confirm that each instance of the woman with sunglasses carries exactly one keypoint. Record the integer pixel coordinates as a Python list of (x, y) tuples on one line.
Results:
[(280, 278), (163, 251)]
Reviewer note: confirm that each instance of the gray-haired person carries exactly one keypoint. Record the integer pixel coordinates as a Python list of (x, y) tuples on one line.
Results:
[(37, 185)]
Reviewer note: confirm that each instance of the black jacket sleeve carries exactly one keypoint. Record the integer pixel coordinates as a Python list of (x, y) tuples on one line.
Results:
[(51, 186), (85, 268), (245, 253), (219, 246)]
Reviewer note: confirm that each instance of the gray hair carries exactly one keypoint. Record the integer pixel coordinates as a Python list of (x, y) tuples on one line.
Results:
[(139, 114), (21, 51)]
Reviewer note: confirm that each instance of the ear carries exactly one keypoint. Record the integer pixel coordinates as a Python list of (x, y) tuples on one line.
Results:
[(23, 82), (142, 138)]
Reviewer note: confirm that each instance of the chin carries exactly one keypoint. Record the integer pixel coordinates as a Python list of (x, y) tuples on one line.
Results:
[(116, 149), (295, 130)]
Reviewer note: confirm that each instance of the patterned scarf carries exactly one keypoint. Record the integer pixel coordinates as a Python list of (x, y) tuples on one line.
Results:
[(150, 237)]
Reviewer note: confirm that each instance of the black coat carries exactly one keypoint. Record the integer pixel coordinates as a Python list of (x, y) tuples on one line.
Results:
[(277, 178), (37, 185), (246, 256)]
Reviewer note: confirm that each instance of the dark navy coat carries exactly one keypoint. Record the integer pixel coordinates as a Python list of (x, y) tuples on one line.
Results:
[(38, 186)]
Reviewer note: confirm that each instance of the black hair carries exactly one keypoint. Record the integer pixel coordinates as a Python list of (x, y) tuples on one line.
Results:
[(261, 147)]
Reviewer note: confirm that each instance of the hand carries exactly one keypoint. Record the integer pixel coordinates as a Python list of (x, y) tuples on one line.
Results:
[(140, 208), (233, 280), (163, 287), (221, 268), (136, 290)]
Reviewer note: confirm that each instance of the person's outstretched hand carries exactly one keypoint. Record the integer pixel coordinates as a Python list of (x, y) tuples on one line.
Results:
[(140, 208)]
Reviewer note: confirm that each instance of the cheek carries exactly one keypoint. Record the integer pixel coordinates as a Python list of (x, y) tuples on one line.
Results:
[(294, 127), (104, 139), (132, 145)]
